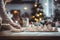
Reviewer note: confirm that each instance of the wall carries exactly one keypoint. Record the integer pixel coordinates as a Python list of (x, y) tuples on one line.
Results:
[(19, 7), (48, 7)]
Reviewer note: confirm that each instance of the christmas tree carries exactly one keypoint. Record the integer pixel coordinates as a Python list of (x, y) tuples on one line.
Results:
[(37, 14)]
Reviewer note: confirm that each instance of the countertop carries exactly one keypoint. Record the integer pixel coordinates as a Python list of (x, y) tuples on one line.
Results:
[(9, 33), (29, 35)]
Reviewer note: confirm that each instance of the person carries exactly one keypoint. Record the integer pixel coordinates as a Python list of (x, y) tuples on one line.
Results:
[(5, 19), (16, 17)]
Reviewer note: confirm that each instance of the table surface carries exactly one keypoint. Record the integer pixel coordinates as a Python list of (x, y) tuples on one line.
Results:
[(9, 33), (29, 35)]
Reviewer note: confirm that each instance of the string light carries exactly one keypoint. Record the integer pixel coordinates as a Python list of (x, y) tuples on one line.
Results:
[(25, 8), (40, 19), (37, 15), (36, 19), (15, 11), (40, 13), (33, 16), (35, 5)]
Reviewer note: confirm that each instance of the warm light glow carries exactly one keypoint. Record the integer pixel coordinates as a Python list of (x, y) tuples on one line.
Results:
[(36, 19), (33, 16), (40, 19), (35, 5), (40, 13), (15, 11), (37, 15), (25, 8)]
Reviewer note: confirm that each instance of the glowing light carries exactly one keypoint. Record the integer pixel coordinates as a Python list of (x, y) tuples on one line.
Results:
[(15, 12), (33, 16), (36, 19), (35, 5), (40, 19), (40, 13), (25, 8), (37, 15)]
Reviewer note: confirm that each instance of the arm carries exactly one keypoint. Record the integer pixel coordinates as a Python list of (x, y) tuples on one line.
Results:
[(5, 16)]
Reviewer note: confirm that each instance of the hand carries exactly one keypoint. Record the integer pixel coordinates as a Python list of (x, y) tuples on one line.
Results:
[(17, 25)]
